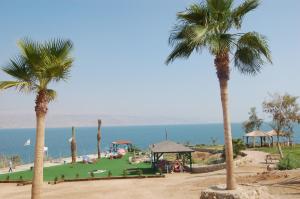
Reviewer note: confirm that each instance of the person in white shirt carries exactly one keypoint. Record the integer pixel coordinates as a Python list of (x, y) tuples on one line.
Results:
[(10, 167)]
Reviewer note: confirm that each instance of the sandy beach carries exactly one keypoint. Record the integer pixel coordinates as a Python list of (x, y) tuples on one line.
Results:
[(280, 184)]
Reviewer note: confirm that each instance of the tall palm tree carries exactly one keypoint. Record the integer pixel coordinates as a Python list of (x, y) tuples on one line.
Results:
[(38, 65), (213, 24), (99, 139)]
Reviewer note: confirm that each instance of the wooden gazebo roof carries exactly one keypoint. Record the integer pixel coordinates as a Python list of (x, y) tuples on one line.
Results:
[(273, 133), (169, 147), (256, 134), (122, 142)]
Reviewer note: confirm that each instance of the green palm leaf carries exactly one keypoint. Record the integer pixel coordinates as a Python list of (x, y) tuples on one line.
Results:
[(39, 64)]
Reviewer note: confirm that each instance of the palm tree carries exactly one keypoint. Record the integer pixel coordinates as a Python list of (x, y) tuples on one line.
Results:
[(213, 24), (38, 65), (99, 139), (73, 146)]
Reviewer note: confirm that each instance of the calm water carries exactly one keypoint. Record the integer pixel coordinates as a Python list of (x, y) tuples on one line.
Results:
[(12, 140)]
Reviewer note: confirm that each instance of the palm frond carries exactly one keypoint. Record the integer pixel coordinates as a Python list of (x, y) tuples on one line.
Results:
[(39, 64), (252, 52), (182, 50), (239, 12), (31, 53), (195, 14), (220, 43), (18, 70), (51, 94), (219, 6), (57, 60), (19, 85), (219, 9)]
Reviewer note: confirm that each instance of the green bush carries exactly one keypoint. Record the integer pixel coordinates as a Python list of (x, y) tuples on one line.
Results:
[(109, 174), (77, 175), (56, 179), (62, 176), (287, 163), (238, 145), (140, 172), (92, 174), (21, 178), (125, 173)]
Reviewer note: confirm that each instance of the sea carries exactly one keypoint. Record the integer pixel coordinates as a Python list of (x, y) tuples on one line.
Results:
[(12, 141)]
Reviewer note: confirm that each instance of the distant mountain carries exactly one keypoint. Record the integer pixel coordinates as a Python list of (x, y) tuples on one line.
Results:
[(66, 120)]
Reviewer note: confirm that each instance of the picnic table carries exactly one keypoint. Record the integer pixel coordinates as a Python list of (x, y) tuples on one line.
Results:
[(272, 157)]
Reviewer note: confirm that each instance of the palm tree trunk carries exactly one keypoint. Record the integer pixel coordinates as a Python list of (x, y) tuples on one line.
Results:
[(73, 146), (222, 66), (99, 139), (41, 111)]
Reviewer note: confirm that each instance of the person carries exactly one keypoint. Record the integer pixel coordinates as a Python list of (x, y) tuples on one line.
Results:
[(10, 167)]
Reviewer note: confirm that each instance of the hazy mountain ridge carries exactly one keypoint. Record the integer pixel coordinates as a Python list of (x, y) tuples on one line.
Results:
[(67, 120)]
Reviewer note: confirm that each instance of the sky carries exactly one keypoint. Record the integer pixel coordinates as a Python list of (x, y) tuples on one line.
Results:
[(119, 72)]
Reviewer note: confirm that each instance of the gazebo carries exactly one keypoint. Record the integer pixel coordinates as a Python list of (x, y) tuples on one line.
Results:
[(115, 145), (157, 150), (273, 133), (254, 135)]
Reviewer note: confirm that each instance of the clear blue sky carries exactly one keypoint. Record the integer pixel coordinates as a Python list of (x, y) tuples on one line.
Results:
[(120, 48)]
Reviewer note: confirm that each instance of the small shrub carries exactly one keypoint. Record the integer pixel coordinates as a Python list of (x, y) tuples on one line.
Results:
[(55, 179), (92, 174), (21, 178), (109, 174), (62, 176), (238, 145), (7, 178), (140, 172), (125, 173), (77, 175), (287, 163)]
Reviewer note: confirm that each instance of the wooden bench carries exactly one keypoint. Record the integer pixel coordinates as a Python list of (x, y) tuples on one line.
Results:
[(272, 157)]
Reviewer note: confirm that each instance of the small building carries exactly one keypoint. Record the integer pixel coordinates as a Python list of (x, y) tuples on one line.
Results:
[(158, 149)]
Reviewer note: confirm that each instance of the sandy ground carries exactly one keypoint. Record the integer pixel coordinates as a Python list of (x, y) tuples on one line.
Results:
[(281, 184)]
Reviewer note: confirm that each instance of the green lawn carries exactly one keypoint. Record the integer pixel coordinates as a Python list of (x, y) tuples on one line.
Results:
[(116, 166), (293, 152)]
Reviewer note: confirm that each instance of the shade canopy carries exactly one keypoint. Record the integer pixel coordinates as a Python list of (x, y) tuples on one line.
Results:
[(256, 134), (169, 147), (120, 142), (273, 133)]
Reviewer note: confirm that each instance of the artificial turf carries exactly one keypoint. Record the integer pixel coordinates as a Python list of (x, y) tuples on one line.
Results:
[(81, 170)]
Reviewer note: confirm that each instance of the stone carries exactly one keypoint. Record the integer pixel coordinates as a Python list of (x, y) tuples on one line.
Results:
[(242, 192)]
